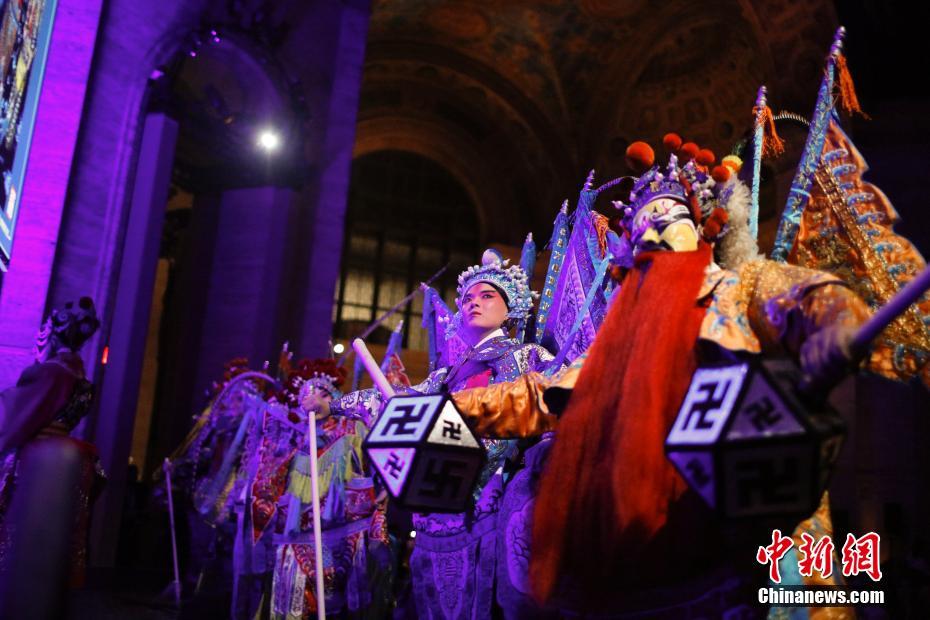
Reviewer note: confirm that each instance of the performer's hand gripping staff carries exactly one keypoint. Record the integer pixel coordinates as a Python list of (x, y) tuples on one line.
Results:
[(830, 354), (310, 402), (428, 458), (741, 419)]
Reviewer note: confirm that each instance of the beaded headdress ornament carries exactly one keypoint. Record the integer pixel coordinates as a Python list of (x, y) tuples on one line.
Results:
[(496, 270), (704, 194), (323, 374), (68, 326)]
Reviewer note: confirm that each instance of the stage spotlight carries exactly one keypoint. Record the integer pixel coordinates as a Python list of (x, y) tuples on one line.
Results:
[(338, 348), (269, 140)]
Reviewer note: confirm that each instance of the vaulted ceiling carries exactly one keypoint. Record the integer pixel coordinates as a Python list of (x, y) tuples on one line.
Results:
[(520, 98)]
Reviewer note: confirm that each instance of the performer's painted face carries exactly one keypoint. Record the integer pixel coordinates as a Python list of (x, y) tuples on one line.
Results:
[(664, 224), (483, 307), (317, 400)]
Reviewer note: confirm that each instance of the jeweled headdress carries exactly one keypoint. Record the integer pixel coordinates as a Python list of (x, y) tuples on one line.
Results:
[(68, 326), (496, 270), (322, 374), (709, 195)]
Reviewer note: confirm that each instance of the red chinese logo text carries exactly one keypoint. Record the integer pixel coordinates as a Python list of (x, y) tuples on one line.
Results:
[(859, 555)]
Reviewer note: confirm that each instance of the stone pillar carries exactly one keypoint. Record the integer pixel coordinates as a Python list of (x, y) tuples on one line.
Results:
[(332, 70), (119, 384), (245, 292), (181, 330)]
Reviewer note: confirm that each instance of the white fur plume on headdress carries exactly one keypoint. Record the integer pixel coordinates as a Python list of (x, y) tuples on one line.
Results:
[(737, 246)]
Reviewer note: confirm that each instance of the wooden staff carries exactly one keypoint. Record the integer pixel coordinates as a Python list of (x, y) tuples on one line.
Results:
[(374, 370), (317, 526), (174, 543)]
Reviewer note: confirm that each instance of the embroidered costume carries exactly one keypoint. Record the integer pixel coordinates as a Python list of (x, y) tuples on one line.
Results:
[(354, 531), (456, 556), (611, 509), (46, 404)]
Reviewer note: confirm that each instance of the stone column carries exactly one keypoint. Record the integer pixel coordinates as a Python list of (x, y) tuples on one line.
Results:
[(245, 291), (119, 385), (330, 47)]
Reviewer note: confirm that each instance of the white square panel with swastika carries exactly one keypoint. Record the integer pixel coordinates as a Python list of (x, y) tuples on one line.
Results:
[(763, 413), (406, 418), (450, 429), (751, 444), (427, 456), (394, 466), (708, 404)]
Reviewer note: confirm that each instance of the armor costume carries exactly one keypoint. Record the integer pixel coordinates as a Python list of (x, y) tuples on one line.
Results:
[(760, 306), (454, 560)]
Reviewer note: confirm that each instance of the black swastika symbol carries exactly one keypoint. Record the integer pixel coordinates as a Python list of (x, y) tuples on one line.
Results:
[(443, 478), (452, 430), (697, 417), (762, 414), (394, 465), (698, 474), (767, 482), (405, 418)]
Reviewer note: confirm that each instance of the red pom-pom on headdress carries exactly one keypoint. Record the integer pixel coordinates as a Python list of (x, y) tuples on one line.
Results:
[(734, 163), (720, 174), (671, 142), (688, 151), (717, 219), (706, 157), (640, 156)]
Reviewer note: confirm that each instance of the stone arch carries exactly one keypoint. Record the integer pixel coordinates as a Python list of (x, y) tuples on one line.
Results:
[(443, 146), (524, 154)]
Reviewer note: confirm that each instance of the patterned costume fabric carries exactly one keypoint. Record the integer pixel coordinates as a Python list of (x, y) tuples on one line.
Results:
[(836, 221), (455, 558), (355, 544), (212, 467), (209, 463), (574, 298), (763, 307), (47, 402), (847, 229), (261, 471)]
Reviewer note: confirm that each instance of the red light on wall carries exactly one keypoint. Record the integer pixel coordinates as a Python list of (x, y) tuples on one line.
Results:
[(106, 356)]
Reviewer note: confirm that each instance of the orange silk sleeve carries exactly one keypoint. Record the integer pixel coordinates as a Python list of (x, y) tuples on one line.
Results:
[(510, 410)]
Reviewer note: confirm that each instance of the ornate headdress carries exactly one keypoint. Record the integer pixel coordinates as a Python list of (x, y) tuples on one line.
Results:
[(497, 271), (323, 374), (69, 326), (716, 200), (231, 369)]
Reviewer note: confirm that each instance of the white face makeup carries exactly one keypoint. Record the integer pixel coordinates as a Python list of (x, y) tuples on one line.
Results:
[(664, 224), (483, 310)]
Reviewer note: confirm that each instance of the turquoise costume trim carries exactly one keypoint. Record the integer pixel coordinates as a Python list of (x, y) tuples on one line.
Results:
[(558, 244), (757, 137), (804, 177)]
